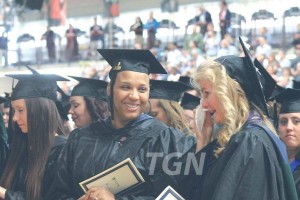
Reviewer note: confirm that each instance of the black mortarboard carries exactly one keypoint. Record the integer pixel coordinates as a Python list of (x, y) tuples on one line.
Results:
[(277, 90), (88, 87), (267, 81), (296, 84), (290, 100), (189, 102), (242, 70), (35, 85), (63, 105), (186, 80), (169, 90), (140, 60)]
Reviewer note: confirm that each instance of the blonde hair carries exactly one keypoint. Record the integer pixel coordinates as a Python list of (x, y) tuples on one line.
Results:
[(175, 115), (235, 104)]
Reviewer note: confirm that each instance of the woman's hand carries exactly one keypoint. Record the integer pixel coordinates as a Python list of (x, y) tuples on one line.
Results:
[(100, 193), (2, 192), (204, 136)]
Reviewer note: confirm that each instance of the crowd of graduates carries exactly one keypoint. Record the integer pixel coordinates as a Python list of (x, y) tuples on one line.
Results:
[(230, 108)]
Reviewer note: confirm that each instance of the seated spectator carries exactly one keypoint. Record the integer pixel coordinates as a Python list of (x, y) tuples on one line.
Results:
[(174, 55), (263, 47), (283, 61), (226, 49), (196, 37), (285, 80), (211, 44)]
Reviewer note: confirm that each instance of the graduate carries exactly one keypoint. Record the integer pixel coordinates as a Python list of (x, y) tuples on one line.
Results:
[(250, 161), (289, 129), (88, 101), (35, 143), (127, 133), (3, 140), (164, 103)]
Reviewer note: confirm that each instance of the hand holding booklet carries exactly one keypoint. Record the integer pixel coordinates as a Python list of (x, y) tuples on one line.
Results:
[(123, 176)]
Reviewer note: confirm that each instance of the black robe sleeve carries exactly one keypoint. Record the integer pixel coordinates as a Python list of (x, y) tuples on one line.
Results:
[(3, 154)]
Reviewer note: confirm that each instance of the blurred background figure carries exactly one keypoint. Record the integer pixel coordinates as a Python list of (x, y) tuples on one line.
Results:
[(224, 18), (49, 36), (97, 39), (72, 44), (195, 37), (151, 26), (3, 49), (204, 18), (138, 28)]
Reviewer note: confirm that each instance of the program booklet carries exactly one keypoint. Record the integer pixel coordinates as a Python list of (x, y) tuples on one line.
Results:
[(169, 194), (120, 177)]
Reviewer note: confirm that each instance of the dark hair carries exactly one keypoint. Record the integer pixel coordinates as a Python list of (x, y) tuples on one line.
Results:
[(97, 108), (33, 147)]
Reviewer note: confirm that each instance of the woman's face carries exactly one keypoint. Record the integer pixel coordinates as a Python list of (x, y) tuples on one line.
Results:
[(210, 101), (131, 94), (20, 114), (158, 112), (6, 117), (289, 129), (79, 112)]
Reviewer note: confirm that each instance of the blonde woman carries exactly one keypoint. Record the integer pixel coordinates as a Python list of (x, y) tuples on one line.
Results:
[(249, 159)]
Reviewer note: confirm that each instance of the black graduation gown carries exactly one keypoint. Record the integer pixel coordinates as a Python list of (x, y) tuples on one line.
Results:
[(251, 167), (17, 191), (95, 148), (3, 145), (3, 154), (296, 175)]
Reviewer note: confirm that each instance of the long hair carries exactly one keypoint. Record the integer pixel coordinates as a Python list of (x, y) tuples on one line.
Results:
[(97, 108), (175, 115), (231, 96), (43, 121)]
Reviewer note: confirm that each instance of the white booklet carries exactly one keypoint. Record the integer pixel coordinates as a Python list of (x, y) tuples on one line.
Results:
[(169, 194), (123, 176)]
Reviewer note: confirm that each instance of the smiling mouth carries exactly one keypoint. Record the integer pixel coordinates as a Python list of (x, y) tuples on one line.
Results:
[(132, 107)]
